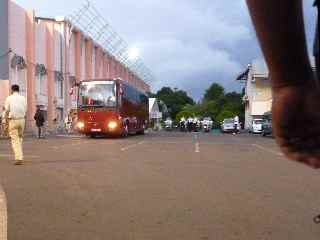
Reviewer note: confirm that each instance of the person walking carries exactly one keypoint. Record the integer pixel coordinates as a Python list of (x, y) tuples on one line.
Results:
[(39, 118), (236, 125), (16, 108), (280, 30)]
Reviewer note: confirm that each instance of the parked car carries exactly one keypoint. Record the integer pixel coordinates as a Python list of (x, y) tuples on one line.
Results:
[(266, 128), (256, 126), (227, 125), (168, 124), (207, 124), (267, 124)]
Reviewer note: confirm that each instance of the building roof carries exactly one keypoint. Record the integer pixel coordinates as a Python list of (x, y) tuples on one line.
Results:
[(153, 105), (258, 68)]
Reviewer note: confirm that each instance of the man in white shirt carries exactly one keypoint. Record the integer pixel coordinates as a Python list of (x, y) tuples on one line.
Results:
[(236, 125), (16, 107)]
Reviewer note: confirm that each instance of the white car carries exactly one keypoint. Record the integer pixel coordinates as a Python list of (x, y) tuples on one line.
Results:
[(207, 124), (227, 125), (168, 124), (256, 126)]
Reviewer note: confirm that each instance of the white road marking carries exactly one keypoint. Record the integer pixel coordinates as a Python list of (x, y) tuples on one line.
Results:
[(197, 144), (70, 136), (268, 150), (11, 155), (131, 146)]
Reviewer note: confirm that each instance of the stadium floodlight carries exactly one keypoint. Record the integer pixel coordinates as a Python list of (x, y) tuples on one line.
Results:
[(91, 22), (133, 53)]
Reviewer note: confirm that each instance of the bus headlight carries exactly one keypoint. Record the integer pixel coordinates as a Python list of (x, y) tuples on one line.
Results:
[(80, 125), (112, 125)]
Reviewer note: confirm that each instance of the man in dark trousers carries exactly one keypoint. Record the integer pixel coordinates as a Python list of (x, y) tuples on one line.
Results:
[(39, 118)]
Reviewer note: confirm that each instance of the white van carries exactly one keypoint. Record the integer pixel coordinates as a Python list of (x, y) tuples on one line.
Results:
[(256, 126)]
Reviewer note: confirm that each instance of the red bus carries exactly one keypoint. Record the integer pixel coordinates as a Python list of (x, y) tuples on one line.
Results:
[(111, 107)]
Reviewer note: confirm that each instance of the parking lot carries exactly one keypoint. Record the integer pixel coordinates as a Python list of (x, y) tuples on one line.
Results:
[(163, 185)]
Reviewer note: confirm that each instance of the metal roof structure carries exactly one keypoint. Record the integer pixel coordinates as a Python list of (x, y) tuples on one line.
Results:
[(92, 23)]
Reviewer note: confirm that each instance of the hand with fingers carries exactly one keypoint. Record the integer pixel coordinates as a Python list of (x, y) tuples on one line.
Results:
[(296, 123), (296, 106)]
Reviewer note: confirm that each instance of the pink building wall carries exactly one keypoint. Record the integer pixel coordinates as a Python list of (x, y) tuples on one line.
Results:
[(17, 29), (17, 39), (42, 41), (72, 56)]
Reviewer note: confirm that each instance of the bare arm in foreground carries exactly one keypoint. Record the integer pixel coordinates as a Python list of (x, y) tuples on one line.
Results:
[(296, 107)]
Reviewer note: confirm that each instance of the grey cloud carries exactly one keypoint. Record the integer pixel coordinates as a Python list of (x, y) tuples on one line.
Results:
[(186, 43)]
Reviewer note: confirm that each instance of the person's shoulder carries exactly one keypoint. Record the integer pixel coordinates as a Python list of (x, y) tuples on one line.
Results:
[(22, 97), (8, 99)]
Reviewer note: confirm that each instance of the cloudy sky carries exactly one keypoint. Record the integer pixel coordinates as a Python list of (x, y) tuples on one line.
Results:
[(187, 44)]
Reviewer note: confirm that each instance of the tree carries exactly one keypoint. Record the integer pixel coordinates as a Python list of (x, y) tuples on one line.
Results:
[(224, 114), (175, 100), (185, 114), (151, 95), (209, 109), (214, 92)]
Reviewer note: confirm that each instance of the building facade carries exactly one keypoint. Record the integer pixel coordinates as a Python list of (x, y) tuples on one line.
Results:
[(47, 57), (258, 93)]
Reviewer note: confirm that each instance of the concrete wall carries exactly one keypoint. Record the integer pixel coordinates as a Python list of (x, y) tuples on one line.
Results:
[(17, 29), (4, 39), (72, 57), (259, 94), (17, 40), (41, 82)]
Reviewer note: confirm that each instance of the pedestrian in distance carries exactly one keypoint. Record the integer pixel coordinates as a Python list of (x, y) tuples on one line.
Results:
[(296, 106), (68, 123), (40, 120), (16, 108), (236, 125)]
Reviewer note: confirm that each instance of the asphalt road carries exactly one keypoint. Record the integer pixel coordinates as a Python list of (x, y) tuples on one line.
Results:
[(157, 187)]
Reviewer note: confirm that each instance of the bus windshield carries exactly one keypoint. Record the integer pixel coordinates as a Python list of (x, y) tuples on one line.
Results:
[(97, 93)]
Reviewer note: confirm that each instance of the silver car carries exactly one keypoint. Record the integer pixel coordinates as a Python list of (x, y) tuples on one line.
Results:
[(227, 125)]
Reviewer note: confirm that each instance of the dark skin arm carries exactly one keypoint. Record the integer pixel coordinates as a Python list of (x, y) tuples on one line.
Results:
[(296, 106)]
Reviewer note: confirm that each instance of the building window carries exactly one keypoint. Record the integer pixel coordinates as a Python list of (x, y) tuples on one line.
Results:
[(43, 85), (18, 66), (58, 80), (41, 74), (59, 114)]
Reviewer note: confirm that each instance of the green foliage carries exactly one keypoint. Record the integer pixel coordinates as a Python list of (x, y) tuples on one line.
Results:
[(151, 95), (209, 109), (185, 114), (214, 92), (224, 114), (174, 99), (216, 103)]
